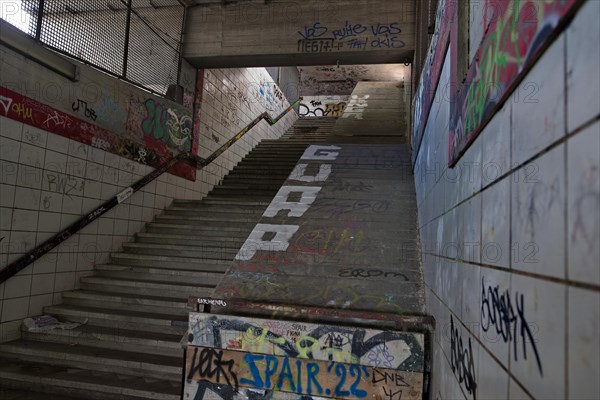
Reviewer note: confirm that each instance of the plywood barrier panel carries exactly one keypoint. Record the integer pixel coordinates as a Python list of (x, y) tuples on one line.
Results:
[(233, 357)]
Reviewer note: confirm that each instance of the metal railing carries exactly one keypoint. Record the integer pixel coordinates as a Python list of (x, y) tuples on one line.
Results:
[(23, 261)]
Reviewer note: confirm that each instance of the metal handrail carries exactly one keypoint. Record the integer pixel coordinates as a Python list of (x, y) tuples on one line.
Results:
[(23, 261)]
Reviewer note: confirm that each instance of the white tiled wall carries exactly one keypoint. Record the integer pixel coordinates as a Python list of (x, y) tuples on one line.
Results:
[(532, 208), (48, 181)]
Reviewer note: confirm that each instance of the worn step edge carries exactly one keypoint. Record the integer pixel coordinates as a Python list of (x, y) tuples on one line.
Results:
[(95, 358), (79, 385)]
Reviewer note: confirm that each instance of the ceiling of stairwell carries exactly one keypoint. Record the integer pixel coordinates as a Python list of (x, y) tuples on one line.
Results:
[(331, 80)]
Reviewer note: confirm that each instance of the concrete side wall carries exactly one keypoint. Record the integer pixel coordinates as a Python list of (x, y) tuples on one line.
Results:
[(300, 33), (48, 181), (510, 235)]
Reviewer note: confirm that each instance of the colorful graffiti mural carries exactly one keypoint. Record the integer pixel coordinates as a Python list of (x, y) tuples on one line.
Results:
[(518, 32), (226, 356), (161, 124), (152, 152)]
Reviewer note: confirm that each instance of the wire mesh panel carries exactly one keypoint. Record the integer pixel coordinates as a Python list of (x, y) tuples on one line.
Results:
[(96, 31), (154, 43), (92, 30)]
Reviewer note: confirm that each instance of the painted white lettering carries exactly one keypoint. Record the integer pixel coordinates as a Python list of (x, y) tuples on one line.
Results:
[(325, 153), (255, 242), (299, 173), (297, 208)]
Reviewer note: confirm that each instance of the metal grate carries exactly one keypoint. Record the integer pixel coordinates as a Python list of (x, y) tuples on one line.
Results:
[(88, 30), (154, 43), (96, 31)]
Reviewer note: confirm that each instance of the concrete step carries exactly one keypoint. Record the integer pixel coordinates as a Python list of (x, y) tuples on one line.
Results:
[(244, 191), (92, 385), (214, 215), (142, 288), (284, 153), (256, 181), (215, 211), (112, 338), (16, 394), (159, 238), (254, 198), (233, 182), (264, 167), (241, 173), (147, 283), (198, 226), (125, 301), (96, 359), (206, 251), (212, 224), (261, 177), (273, 163), (224, 202), (196, 230), (168, 276), (147, 260), (122, 319)]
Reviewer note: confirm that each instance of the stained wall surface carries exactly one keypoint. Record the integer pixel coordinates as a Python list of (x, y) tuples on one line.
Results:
[(510, 235), (47, 181), (311, 32)]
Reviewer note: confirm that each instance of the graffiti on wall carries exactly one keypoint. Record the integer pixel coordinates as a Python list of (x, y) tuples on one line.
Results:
[(504, 315), (31, 112), (321, 108), (320, 38), (159, 122), (518, 32), (270, 95), (461, 359), (260, 358)]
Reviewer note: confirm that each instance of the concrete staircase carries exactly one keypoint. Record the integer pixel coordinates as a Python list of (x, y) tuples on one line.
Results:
[(134, 308)]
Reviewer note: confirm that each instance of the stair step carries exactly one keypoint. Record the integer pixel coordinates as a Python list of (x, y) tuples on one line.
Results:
[(203, 251), (158, 238), (97, 359), (153, 322), (241, 227), (214, 215), (123, 301), (186, 288), (112, 338), (213, 265), (101, 284), (257, 198), (159, 275), (198, 231), (17, 394), (240, 183), (216, 211), (225, 223), (93, 385), (250, 182), (224, 202)]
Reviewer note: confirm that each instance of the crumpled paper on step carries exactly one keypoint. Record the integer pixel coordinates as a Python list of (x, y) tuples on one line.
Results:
[(45, 323)]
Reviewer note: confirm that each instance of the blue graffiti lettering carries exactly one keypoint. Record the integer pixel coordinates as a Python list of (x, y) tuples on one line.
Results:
[(317, 30)]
